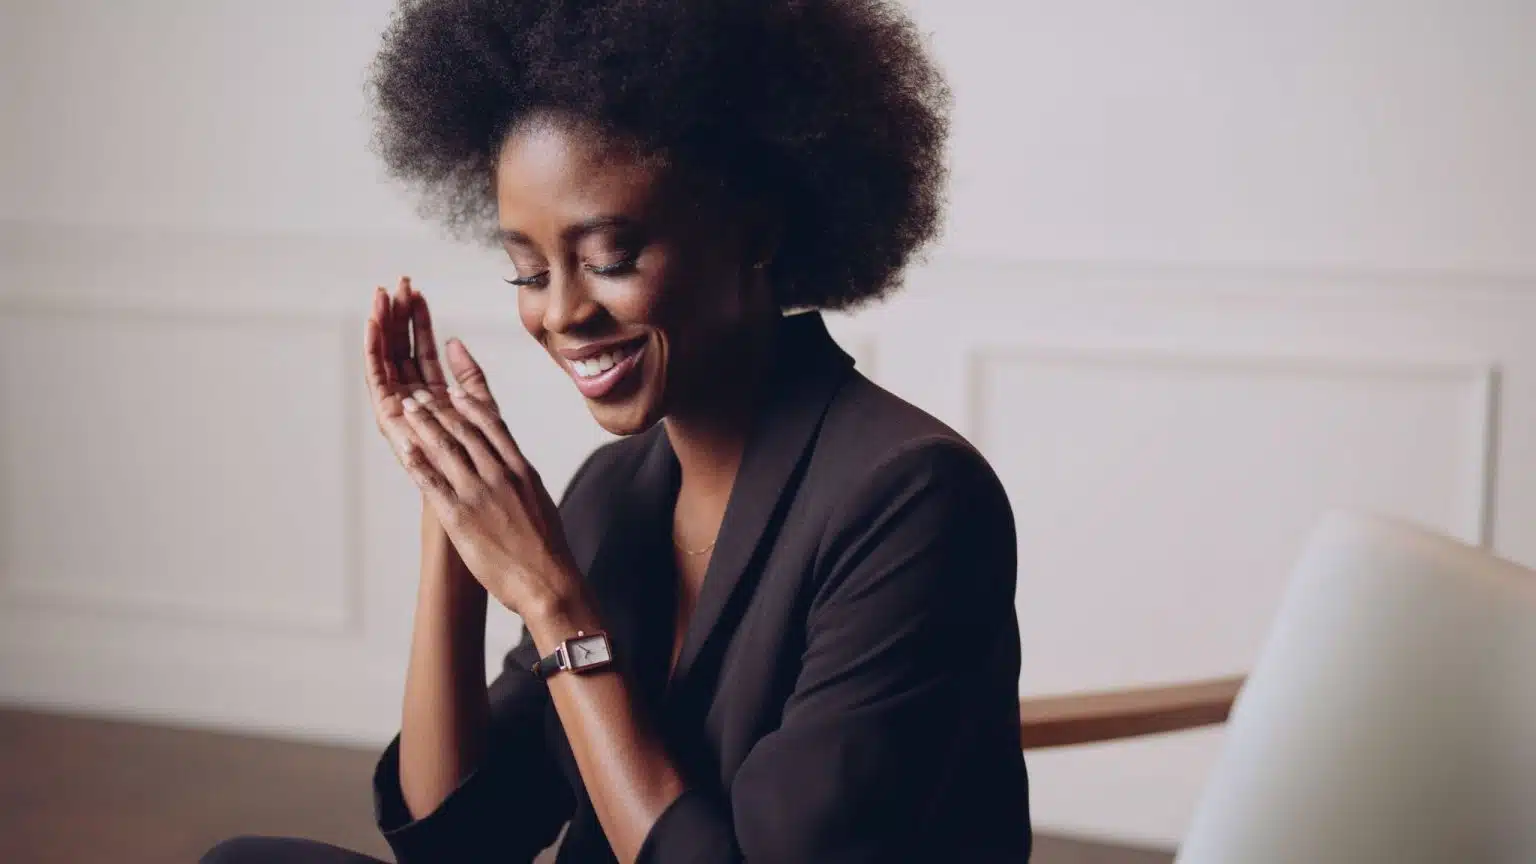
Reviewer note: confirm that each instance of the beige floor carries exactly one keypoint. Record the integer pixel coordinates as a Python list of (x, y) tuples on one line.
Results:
[(75, 790)]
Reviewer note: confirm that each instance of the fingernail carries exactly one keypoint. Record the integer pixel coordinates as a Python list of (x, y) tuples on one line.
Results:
[(422, 396), (409, 405)]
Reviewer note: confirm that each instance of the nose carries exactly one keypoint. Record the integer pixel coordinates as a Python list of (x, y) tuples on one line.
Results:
[(568, 303)]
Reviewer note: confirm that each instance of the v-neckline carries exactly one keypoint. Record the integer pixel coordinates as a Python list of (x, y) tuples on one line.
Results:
[(807, 373)]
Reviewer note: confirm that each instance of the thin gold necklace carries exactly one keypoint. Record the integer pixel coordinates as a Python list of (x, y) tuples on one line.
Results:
[(687, 551)]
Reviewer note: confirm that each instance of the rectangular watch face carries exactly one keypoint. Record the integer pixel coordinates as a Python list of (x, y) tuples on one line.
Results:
[(588, 650)]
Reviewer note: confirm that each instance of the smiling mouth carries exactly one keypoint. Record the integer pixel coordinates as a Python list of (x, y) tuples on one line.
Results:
[(596, 376)]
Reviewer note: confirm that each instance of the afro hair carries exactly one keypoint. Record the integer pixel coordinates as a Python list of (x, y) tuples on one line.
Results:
[(829, 109)]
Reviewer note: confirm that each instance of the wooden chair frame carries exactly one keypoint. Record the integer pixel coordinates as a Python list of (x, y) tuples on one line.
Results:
[(1087, 718)]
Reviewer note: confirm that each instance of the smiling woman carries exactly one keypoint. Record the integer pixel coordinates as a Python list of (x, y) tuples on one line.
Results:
[(774, 621)]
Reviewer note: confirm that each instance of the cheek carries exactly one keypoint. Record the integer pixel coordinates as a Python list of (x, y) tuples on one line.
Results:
[(530, 308), (645, 299), (690, 294), (632, 302)]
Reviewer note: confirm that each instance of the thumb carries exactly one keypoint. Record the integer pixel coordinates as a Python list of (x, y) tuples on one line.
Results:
[(468, 373)]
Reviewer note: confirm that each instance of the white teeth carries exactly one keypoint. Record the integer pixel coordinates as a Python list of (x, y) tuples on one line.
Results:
[(595, 366)]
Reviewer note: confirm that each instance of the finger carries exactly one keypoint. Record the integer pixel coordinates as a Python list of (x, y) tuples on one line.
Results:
[(490, 425), (487, 463), (376, 368), (387, 338), (400, 334), (418, 464), (378, 337), (450, 457), (469, 374), (379, 372), (425, 343)]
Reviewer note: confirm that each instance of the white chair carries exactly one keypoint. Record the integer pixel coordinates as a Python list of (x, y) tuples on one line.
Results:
[(1390, 718)]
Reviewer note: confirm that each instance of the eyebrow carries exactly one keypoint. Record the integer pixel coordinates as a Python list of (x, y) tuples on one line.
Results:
[(580, 229)]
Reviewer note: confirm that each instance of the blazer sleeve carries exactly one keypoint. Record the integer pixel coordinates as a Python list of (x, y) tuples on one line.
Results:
[(909, 639), (513, 805), (510, 807)]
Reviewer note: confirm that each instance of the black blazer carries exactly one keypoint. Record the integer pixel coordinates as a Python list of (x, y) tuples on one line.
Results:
[(847, 690)]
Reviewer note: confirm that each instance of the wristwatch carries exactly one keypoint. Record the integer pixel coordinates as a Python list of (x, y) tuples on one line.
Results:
[(580, 653)]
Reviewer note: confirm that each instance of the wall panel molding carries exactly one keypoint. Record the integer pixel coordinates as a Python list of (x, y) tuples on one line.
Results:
[(194, 599), (1480, 376)]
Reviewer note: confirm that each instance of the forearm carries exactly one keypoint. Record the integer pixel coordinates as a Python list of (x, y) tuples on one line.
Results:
[(445, 717), (625, 768)]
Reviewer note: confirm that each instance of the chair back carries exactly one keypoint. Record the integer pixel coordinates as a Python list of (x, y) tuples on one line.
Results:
[(1391, 716)]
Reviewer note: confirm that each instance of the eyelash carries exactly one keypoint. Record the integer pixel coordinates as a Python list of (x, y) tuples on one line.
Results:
[(618, 268)]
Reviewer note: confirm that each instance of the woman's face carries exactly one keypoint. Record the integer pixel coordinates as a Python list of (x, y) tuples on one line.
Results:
[(635, 287)]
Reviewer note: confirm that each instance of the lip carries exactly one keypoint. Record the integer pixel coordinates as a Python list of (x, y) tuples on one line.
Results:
[(597, 348), (603, 383)]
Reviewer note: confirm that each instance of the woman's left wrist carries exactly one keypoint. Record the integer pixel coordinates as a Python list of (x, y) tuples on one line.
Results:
[(555, 615)]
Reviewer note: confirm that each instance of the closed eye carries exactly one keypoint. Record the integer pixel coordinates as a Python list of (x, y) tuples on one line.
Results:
[(524, 281), (617, 268)]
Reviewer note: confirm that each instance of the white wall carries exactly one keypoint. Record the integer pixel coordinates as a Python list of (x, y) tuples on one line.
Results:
[(1381, 134), (1210, 268)]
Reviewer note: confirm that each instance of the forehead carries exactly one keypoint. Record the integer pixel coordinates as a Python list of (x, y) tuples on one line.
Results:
[(553, 171)]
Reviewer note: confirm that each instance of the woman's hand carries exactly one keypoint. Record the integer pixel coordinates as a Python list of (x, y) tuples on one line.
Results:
[(400, 353), (489, 499), (453, 443)]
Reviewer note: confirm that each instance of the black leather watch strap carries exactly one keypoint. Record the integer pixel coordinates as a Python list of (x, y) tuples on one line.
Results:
[(549, 664)]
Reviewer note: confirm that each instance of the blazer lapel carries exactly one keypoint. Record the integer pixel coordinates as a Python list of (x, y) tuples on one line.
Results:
[(807, 370)]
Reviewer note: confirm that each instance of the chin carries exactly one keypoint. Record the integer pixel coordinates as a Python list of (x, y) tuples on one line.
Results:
[(630, 416), (621, 422)]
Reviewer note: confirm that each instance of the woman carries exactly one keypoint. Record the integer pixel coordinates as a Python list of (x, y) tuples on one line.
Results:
[(775, 620)]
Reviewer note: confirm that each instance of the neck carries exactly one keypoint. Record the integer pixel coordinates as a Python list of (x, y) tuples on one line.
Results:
[(710, 433), (708, 456)]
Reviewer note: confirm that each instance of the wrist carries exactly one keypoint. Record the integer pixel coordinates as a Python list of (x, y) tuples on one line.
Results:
[(445, 582), (437, 549), (430, 528), (455, 609), (556, 616)]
